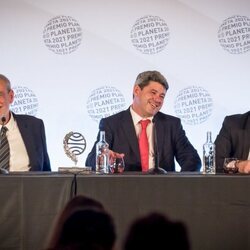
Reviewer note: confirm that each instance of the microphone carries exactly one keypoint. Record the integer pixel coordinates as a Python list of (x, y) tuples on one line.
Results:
[(3, 120), (157, 169)]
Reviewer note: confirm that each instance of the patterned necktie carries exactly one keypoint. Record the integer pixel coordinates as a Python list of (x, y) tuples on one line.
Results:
[(4, 149), (143, 145)]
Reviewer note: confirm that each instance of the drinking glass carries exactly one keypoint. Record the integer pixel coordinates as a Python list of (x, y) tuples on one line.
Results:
[(229, 165), (117, 165)]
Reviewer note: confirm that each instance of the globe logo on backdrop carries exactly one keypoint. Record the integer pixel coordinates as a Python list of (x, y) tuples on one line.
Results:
[(150, 34), (25, 101), (105, 101), (62, 35), (234, 34), (193, 105)]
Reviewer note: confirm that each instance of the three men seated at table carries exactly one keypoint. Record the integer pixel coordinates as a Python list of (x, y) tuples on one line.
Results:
[(143, 135)]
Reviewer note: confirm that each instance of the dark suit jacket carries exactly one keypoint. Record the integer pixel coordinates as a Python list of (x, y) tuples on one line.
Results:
[(171, 139), (233, 139), (33, 134)]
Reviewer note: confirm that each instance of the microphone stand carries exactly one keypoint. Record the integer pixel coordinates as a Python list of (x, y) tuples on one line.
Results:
[(3, 171), (156, 169)]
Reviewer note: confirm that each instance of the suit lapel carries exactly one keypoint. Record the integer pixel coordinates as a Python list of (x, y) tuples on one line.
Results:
[(246, 136), (129, 131), (25, 129), (159, 127)]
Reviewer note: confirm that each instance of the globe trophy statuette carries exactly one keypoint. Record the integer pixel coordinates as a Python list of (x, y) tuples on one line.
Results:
[(74, 144)]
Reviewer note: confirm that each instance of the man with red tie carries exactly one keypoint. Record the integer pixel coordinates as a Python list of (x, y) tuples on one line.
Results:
[(130, 133)]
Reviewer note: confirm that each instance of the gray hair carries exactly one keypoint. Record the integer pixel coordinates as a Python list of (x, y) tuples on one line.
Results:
[(145, 77), (7, 81)]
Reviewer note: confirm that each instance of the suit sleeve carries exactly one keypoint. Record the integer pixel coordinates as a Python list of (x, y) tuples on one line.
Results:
[(186, 154), (103, 126), (46, 162), (223, 144), (91, 158)]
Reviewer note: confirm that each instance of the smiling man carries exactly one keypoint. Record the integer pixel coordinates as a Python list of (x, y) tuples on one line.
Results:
[(141, 132)]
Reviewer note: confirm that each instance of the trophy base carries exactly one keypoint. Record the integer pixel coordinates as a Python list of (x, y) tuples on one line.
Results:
[(75, 170)]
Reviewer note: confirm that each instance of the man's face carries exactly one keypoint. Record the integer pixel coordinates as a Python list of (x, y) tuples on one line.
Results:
[(149, 100), (6, 98)]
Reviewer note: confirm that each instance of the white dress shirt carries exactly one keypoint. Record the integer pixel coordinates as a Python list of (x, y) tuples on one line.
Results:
[(19, 160)]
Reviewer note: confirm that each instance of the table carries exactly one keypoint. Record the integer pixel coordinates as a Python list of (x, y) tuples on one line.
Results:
[(215, 208)]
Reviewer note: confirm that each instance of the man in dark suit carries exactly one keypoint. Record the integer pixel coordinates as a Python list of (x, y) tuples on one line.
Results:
[(25, 134), (123, 130), (233, 141)]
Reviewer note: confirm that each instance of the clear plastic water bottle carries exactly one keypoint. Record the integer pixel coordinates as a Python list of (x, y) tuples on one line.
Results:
[(102, 155), (209, 155)]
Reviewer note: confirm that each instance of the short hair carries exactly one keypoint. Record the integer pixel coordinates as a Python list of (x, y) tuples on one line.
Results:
[(6, 80), (154, 232), (79, 202), (145, 77), (87, 229)]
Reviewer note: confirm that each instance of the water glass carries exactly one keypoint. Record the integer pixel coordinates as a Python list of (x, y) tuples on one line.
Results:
[(117, 165), (229, 165)]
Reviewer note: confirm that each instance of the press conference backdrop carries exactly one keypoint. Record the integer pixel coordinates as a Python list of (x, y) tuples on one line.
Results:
[(72, 63)]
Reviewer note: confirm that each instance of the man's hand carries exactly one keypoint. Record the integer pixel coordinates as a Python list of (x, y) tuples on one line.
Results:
[(243, 166), (113, 155)]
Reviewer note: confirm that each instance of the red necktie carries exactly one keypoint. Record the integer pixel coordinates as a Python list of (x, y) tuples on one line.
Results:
[(143, 145)]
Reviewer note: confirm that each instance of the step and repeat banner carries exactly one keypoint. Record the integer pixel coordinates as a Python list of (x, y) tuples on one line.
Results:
[(72, 63)]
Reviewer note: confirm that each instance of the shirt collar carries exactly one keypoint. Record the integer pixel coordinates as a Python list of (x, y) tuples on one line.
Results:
[(137, 118), (11, 123)]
